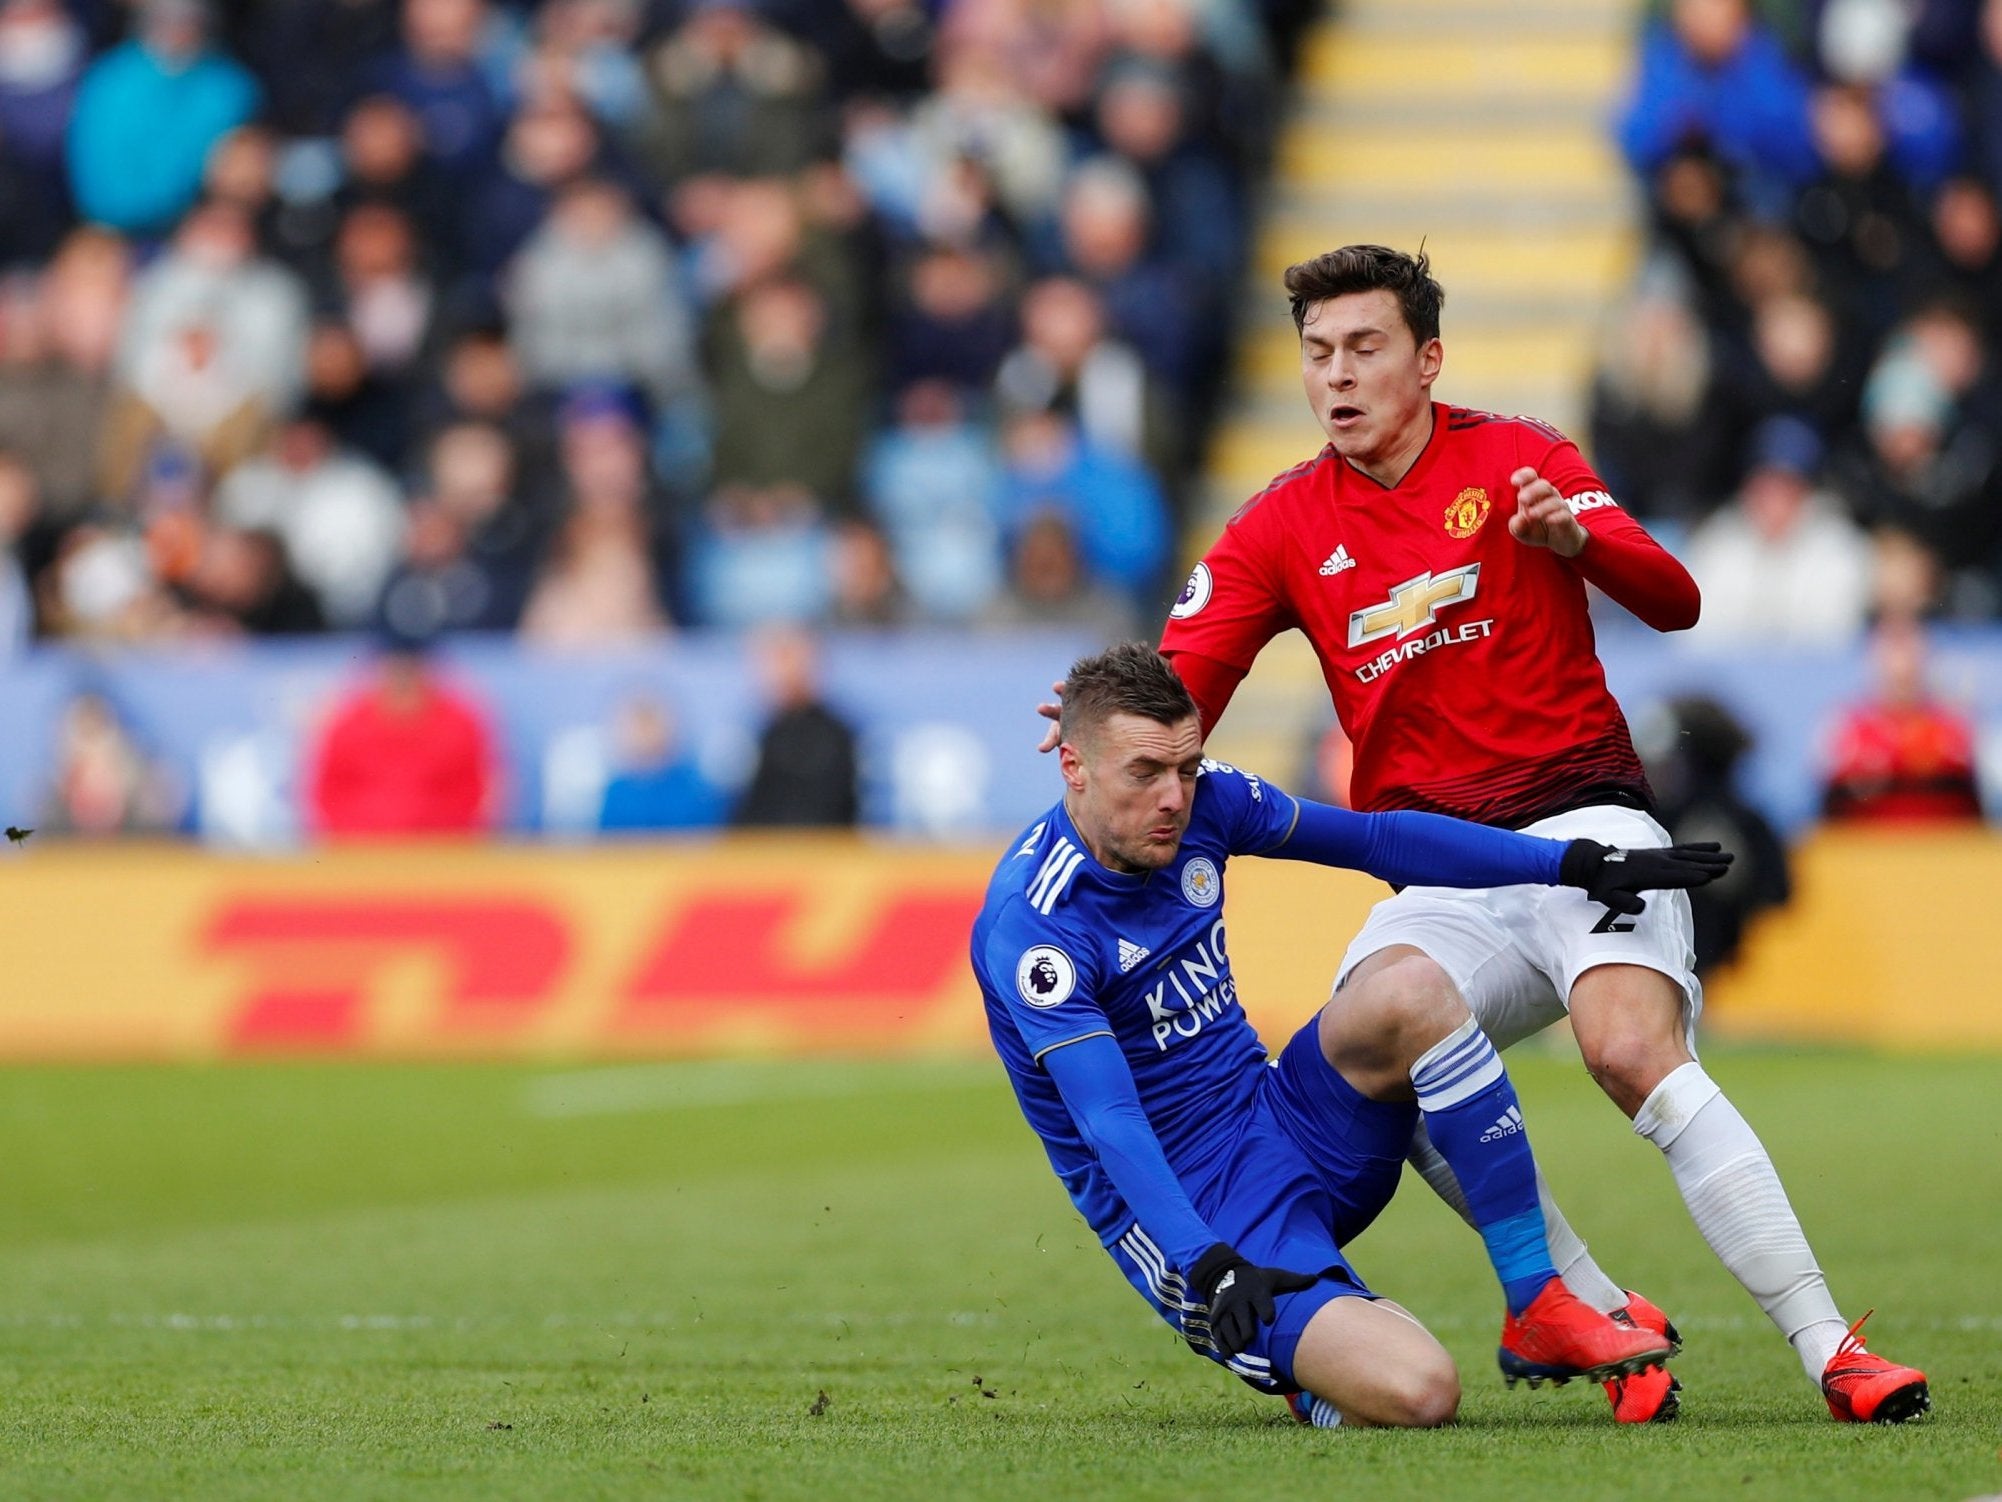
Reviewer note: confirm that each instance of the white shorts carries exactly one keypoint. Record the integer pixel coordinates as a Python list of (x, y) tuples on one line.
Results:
[(1515, 952)]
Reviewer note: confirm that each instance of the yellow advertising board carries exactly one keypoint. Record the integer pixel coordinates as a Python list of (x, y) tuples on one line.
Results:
[(798, 945), (1892, 938), (483, 949)]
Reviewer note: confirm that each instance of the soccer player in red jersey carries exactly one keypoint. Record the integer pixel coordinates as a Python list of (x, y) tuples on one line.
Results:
[(1437, 558)]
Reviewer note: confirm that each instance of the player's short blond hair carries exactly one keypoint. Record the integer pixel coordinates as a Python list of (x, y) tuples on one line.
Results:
[(1369, 268)]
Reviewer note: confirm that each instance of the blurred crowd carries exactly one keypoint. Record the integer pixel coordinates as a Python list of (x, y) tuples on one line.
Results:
[(408, 747), (590, 318), (1804, 389)]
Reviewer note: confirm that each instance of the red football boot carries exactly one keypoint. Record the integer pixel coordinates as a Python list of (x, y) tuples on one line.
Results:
[(1649, 1397), (1866, 1389), (1652, 1396), (1646, 1314), (1559, 1337)]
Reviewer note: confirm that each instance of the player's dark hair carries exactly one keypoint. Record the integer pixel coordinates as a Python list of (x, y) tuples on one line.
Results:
[(1369, 268), (1131, 678)]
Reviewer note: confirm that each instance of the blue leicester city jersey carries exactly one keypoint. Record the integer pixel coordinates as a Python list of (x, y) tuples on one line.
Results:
[(1066, 949)]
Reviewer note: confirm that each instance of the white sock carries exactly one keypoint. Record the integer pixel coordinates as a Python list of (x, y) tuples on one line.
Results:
[(1581, 1274), (1568, 1253), (1734, 1196)]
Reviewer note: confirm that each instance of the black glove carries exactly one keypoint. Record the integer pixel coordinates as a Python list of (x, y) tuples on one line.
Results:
[(1240, 1295), (1612, 877)]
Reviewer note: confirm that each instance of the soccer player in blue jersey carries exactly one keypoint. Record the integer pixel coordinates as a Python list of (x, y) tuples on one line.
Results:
[(1224, 1182)]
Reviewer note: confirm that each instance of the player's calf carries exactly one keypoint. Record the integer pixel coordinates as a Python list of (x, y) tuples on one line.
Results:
[(1421, 1395), (1398, 1007), (1376, 1365)]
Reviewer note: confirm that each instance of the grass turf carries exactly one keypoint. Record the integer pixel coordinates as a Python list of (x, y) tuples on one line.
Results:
[(860, 1280)]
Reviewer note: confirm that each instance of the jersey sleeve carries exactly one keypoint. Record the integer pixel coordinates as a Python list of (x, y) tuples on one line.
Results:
[(1045, 980), (1209, 682), (1558, 460), (1620, 558), (1407, 848), (1254, 815), (1233, 604), (1098, 1090)]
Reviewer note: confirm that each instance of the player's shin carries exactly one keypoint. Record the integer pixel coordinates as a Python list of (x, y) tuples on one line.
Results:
[(1475, 1122), (1735, 1197), (1573, 1259)]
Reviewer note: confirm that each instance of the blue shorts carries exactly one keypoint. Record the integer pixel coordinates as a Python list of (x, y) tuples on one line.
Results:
[(1313, 1165)]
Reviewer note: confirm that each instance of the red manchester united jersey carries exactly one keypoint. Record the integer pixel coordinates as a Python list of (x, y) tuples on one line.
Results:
[(1461, 661)]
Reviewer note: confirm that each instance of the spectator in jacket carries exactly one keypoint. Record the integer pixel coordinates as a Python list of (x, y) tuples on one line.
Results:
[(146, 115), (806, 773), (403, 754), (1712, 74), (1902, 756)]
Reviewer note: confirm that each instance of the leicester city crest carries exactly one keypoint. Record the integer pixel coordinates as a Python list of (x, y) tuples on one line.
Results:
[(1200, 883)]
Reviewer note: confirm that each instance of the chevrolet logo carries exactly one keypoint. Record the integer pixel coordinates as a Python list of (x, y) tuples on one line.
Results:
[(1414, 603)]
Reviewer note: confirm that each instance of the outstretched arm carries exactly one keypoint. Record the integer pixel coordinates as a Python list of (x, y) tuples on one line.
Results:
[(1431, 850), (1420, 850), (1097, 1087)]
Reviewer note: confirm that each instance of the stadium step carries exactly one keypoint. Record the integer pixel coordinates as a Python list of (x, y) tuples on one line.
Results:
[(1508, 155), (1496, 17), (1368, 73), (1559, 209)]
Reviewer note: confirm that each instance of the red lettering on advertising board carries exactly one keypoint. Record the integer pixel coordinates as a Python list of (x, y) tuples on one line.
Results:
[(721, 957), (503, 958)]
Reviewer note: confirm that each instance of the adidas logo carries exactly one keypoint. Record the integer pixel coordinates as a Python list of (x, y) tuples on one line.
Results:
[(1506, 1125), (1131, 954), (1337, 561)]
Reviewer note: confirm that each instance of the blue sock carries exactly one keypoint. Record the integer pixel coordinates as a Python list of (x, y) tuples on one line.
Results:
[(1473, 1119)]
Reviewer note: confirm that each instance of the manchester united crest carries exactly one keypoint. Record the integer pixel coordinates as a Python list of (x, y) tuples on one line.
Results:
[(1468, 510)]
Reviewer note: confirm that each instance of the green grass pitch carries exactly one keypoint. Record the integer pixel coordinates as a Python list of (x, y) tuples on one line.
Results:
[(859, 1280)]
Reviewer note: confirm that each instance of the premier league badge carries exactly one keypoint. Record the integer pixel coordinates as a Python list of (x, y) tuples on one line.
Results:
[(1195, 594)]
